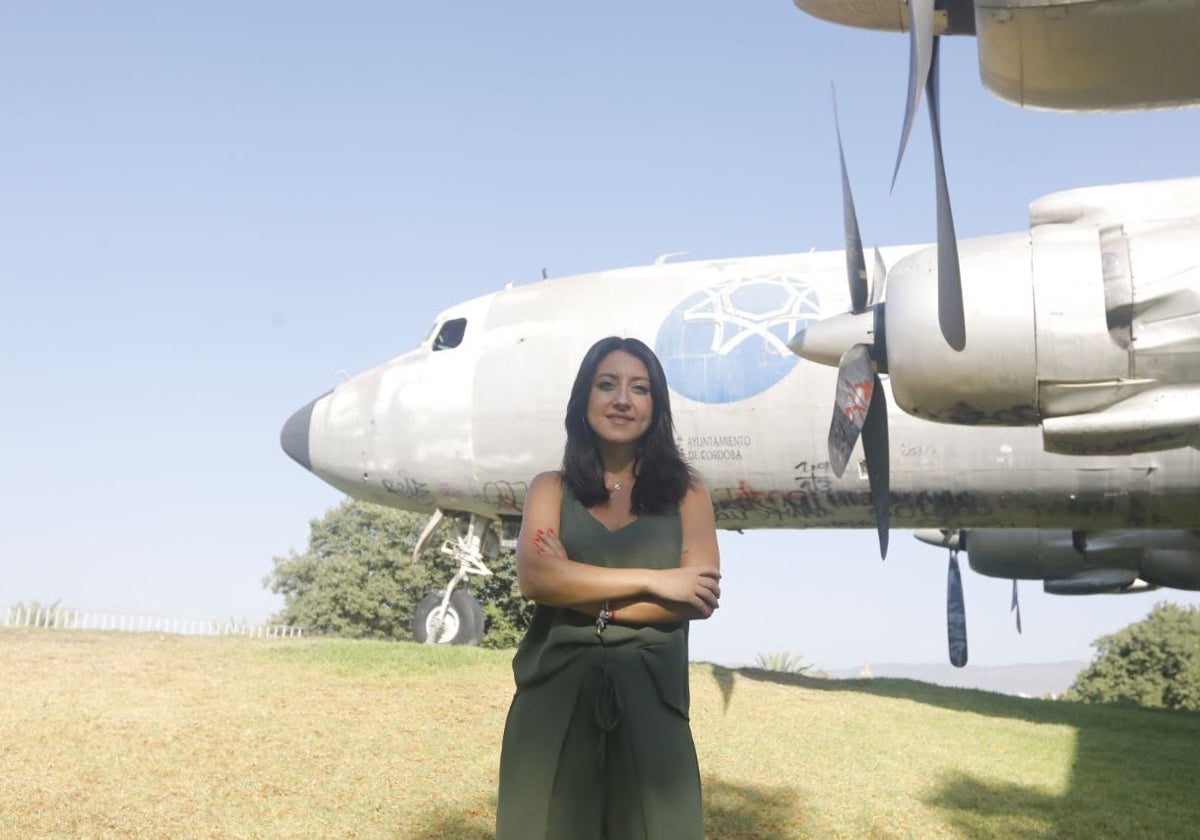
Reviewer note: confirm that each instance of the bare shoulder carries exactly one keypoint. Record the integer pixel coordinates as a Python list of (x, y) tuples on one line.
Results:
[(696, 508), (551, 480), (699, 527), (544, 494), (696, 498)]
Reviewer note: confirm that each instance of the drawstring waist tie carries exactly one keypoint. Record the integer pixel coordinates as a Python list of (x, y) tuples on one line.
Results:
[(608, 708)]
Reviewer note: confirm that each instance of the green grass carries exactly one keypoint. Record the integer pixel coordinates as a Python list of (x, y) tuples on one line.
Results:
[(386, 659), (120, 735)]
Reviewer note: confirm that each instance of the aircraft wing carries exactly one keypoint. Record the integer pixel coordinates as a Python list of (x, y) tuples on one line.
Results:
[(1069, 55)]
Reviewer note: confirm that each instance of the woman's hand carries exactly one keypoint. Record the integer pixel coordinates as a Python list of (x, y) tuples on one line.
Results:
[(695, 586), (549, 545)]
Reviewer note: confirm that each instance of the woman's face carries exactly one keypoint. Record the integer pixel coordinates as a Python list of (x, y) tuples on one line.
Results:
[(619, 404)]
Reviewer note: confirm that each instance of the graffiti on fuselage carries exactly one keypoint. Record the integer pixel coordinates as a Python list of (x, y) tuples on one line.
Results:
[(814, 501), (508, 496), (409, 489)]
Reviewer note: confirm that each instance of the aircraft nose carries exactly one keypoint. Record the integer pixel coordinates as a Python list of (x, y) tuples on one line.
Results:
[(294, 437)]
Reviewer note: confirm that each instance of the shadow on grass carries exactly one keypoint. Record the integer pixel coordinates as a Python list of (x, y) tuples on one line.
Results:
[(748, 813), (976, 808), (724, 678), (733, 812), (971, 700), (458, 826), (1134, 771)]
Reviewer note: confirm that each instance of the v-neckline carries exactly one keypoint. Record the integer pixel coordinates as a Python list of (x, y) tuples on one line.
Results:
[(608, 530)]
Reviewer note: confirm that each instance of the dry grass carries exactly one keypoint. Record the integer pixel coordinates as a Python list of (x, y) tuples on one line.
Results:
[(115, 735)]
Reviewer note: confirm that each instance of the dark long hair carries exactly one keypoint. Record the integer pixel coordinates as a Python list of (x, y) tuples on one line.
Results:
[(663, 477)]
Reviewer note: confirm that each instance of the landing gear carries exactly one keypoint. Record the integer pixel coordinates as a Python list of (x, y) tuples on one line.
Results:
[(459, 623), (452, 616)]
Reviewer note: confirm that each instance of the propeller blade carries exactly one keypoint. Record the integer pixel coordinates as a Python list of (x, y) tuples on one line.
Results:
[(920, 58), (856, 263), (878, 279), (950, 303), (856, 383), (875, 448), (956, 614), (1016, 605)]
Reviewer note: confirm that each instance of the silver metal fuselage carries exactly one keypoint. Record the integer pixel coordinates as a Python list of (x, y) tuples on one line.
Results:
[(465, 428)]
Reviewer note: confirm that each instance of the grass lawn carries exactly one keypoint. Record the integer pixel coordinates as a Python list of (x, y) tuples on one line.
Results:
[(141, 735)]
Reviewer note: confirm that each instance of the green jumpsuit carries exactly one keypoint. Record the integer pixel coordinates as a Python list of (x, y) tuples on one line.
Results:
[(597, 745)]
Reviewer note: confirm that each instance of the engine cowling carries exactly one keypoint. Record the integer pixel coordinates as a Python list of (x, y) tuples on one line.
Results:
[(993, 380), (1089, 325), (1069, 55), (1090, 55), (1086, 563)]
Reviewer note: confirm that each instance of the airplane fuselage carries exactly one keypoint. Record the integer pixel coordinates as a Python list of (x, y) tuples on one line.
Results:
[(465, 427)]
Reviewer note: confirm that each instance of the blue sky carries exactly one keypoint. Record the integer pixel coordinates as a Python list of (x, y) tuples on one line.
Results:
[(212, 210)]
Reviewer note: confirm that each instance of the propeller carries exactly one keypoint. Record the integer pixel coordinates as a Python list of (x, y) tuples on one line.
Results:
[(856, 264), (956, 613), (921, 39), (1016, 605), (923, 74), (860, 408)]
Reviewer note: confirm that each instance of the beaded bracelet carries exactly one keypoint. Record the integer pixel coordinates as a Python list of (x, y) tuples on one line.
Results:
[(603, 618)]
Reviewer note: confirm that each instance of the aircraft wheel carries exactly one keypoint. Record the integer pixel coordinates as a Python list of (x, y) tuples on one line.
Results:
[(463, 624)]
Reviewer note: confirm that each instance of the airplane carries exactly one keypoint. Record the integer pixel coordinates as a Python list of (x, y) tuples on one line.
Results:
[(1060, 443)]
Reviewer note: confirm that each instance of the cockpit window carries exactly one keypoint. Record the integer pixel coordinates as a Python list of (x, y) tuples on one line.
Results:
[(450, 335)]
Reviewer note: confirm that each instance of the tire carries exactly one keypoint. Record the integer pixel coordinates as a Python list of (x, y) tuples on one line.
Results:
[(463, 623)]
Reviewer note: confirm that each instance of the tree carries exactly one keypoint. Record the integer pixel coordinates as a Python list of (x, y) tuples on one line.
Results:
[(357, 578), (1153, 663), (506, 611)]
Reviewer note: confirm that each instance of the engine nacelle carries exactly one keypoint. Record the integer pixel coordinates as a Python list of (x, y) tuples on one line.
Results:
[(1097, 582), (1090, 55), (1089, 325), (954, 17), (1087, 563), (993, 380), (1068, 55)]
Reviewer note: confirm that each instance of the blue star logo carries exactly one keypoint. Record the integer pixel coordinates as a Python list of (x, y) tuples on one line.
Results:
[(729, 342)]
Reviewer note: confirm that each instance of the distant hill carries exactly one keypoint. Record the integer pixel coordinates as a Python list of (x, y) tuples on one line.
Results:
[(1036, 680)]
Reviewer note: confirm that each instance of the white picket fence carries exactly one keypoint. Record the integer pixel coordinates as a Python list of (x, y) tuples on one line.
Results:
[(67, 619)]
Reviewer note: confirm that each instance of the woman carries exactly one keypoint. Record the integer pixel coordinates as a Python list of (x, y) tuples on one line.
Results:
[(619, 551)]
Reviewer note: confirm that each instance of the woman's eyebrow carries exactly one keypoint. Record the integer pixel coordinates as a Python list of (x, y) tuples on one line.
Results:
[(617, 378)]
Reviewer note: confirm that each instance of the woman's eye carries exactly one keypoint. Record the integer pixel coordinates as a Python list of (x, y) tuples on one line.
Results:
[(641, 390), (604, 386)]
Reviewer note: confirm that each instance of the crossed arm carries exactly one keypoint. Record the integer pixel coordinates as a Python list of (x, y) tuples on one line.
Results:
[(637, 596)]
